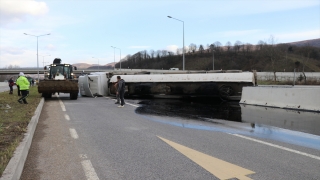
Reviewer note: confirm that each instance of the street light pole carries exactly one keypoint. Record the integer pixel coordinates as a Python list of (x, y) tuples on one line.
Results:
[(212, 59), (120, 55), (43, 59), (183, 61), (98, 64), (37, 51)]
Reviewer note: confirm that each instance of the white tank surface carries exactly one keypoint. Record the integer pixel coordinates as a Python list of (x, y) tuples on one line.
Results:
[(209, 77), (94, 84)]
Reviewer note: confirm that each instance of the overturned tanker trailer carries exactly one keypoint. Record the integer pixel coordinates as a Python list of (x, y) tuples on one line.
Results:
[(227, 86)]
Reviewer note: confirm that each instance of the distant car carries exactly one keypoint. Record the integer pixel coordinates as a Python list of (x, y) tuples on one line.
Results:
[(175, 69)]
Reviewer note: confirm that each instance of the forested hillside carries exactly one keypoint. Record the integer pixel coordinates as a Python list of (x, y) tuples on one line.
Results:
[(261, 57)]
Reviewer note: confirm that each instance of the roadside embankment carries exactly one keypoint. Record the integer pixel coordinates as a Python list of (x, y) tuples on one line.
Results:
[(291, 97), (17, 124)]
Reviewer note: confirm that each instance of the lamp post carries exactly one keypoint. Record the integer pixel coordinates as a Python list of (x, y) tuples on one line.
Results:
[(98, 64), (212, 59), (43, 59), (37, 50), (182, 39), (120, 55)]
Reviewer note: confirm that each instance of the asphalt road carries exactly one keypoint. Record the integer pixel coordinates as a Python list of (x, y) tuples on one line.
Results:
[(91, 138), (5, 87)]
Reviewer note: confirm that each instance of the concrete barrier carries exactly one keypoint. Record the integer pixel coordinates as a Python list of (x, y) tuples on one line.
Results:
[(307, 122), (290, 97)]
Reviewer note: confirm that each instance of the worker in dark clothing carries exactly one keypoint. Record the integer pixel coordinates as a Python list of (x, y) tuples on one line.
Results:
[(11, 83), (117, 95), (121, 89)]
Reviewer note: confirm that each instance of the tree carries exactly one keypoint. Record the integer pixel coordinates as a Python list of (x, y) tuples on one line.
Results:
[(152, 53), (228, 45), (212, 47), (237, 46), (261, 44), (201, 49), (159, 54), (192, 48), (164, 53), (179, 51), (248, 47), (217, 45)]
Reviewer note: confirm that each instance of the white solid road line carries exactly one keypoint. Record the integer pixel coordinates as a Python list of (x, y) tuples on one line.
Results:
[(280, 147), (73, 133), (88, 168), (67, 117)]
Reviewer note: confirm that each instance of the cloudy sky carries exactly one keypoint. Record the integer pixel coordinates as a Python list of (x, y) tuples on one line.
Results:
[(82, 29)]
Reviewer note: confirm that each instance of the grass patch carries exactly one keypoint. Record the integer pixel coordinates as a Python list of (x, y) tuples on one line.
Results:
[(14, 119)]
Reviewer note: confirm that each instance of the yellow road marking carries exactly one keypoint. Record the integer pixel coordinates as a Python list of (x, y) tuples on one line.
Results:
[(219, 168)]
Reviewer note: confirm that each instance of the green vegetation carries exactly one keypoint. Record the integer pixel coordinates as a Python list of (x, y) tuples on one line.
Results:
[(14, 121)]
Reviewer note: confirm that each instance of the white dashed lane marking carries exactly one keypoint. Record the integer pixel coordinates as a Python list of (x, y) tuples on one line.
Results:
[(73, 133), (67, 117), (88, 168), (280, 147), (62, 105)]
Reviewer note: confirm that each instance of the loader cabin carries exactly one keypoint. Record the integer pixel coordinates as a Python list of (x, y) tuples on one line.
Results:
[(58, 71)]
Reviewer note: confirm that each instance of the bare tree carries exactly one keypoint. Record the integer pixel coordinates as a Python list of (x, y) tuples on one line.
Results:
[(179, 51), (248, 47), (237, 46), (212, 46), (12, 67), (170, 53), (208, 48), (228, 45), (152, 53), (192, 48), (164, 53), (201, 49), (159, 54), (261, 44), (217, 45)]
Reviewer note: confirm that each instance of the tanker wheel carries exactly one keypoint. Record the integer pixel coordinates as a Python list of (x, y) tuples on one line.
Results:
[(49, 95), (73, 96), (225, 92), (46, 95)]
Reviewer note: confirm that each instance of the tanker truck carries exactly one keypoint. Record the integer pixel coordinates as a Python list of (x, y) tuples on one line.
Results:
[(59, 79)]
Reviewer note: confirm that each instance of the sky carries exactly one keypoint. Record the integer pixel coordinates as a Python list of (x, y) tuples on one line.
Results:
[(83, 31)]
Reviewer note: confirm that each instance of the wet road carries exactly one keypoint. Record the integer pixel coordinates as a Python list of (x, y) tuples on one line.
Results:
[(91, 138)]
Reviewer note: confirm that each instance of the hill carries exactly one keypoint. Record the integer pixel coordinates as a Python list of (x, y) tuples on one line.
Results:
[(303, 55), (93, 66), (312, 42)]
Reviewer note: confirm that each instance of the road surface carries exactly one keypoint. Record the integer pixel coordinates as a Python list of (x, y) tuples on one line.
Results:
[(91, 138)]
